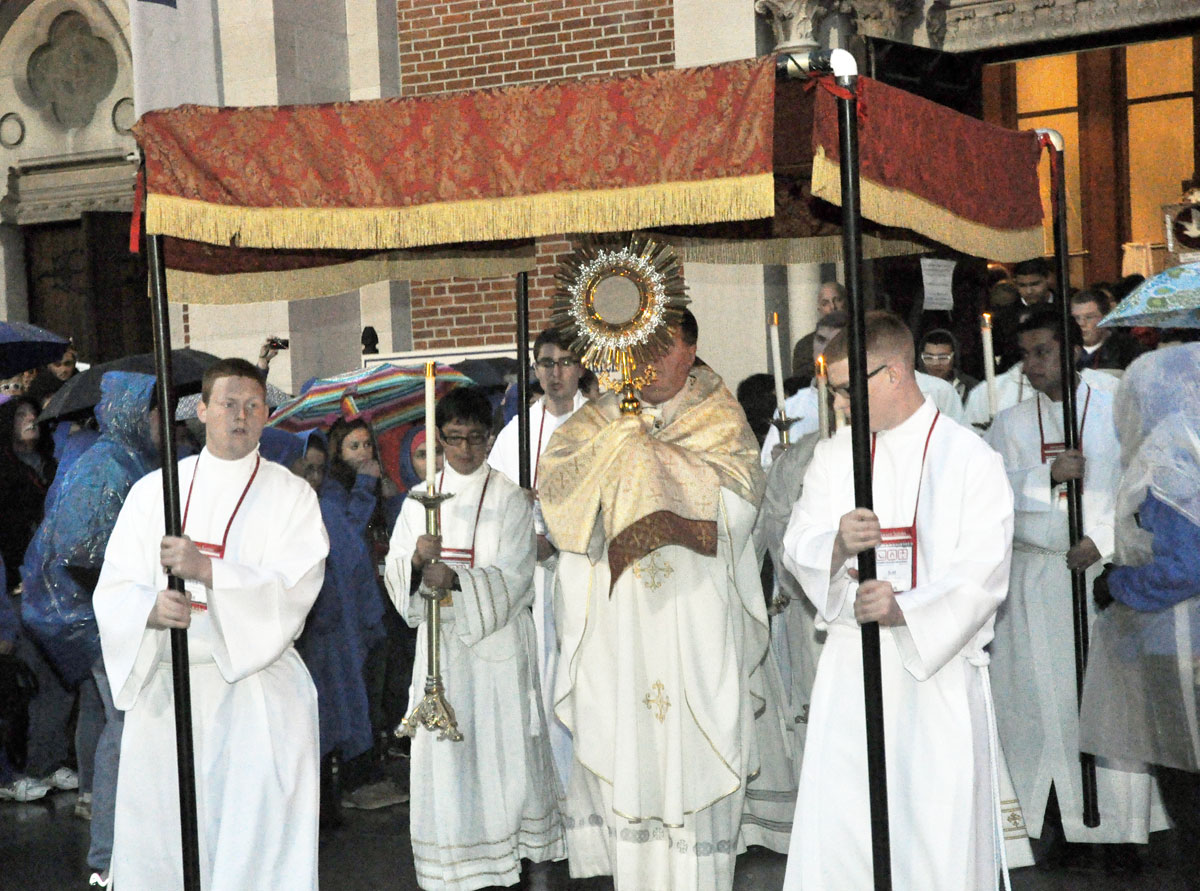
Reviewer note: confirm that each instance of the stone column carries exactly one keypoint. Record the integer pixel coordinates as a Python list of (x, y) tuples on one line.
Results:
[(14, 289), (794, 22)]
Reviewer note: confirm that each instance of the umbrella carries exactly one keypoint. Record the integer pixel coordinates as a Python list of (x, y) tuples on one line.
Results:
[(1170, 299), (390, 397), (24, 346), (386, 395), (82, 392), (488, 372)]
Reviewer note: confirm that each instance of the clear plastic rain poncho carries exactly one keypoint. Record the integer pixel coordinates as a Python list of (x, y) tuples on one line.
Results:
[(1142, 689)]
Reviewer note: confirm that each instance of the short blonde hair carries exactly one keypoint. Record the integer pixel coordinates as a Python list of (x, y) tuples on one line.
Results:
[(886, 334)]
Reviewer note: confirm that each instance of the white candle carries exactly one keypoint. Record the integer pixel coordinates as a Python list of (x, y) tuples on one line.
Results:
[(775, 360), (430, 428), (989, 363), (822, 397)]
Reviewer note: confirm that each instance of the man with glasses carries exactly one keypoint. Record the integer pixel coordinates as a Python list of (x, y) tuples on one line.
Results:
[(1033, 667), (663, 625), (559, 371), (941, 528), (939, 355), (482, 804), (803, 404)]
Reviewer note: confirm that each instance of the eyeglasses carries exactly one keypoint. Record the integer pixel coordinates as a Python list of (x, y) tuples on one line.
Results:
[(936, 357), (844, 392), (566, 362), (457, 439)]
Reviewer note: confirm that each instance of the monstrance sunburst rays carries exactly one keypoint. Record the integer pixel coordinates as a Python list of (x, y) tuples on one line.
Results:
[(619, 351)]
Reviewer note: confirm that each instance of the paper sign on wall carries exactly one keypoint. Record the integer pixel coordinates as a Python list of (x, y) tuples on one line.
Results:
[(937, 276)]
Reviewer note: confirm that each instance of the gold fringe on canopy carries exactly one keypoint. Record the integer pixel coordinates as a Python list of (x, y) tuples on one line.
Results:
[(323, 281), (782, 251), (895, 207), (613, 210)]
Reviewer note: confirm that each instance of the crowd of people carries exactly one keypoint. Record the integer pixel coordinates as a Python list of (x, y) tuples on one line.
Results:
[(653, 653)]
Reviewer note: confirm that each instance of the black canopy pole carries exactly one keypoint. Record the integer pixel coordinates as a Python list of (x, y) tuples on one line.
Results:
[(165, 391), (1079, 594), (845, 71), (523, 379), (860, 437)]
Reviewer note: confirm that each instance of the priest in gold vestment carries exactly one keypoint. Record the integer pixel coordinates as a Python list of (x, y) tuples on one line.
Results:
[(662, 626)]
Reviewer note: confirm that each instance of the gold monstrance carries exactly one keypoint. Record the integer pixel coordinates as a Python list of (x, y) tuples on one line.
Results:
[(617, 301)]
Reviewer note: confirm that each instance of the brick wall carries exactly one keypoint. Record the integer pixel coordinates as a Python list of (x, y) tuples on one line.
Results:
[(467, 44)]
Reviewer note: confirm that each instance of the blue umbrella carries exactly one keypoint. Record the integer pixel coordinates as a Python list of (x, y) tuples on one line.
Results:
[(1170, 299), (24, 346)]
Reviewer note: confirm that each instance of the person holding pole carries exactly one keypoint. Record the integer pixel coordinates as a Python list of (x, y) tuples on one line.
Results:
[(1033, 666), (941, 528), (252, 556), (558, 370)]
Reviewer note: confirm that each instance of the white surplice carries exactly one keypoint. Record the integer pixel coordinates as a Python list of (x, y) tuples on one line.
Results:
[(254, 707), (480, 805), (942, 789), (505, 457), (1033, 654), (802, 405), (1013, 388)]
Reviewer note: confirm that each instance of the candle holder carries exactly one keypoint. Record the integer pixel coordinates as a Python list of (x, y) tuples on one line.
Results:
[(433, 712), (783, 424)]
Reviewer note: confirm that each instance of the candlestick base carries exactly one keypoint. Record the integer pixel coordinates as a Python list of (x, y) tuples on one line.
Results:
[(433, 713)]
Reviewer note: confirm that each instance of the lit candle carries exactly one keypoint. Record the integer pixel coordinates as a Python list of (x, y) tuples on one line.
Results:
[(775, 360), (430, 428), (989, 363), (822, 397)]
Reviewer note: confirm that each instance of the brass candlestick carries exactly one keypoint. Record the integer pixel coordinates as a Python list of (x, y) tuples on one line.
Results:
[(433, 712), (783, 424)]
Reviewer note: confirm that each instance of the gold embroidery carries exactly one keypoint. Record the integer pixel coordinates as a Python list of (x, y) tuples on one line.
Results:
[(653, 573), (657, 530), (658, 701)]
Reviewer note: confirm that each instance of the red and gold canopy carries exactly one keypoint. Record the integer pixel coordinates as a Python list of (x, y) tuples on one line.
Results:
[(272, 202)]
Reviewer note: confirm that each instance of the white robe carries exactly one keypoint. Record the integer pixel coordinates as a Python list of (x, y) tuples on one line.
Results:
[(505, 457), (942, 795), (795, 639), (802, 405), (1013, 387), (254, 707), (656, 686), (1033, 654), (480, 805)]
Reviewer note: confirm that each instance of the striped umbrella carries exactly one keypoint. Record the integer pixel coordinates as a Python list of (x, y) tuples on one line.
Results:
[(384, 395)]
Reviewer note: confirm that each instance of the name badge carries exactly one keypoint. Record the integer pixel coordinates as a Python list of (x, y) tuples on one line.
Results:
[(210, 550), (896, 558), (1051, 450)]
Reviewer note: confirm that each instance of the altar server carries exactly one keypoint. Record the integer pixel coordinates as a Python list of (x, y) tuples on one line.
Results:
[(481, 805), (558, 370), (1033, 672), (943, 515), (253, 556)]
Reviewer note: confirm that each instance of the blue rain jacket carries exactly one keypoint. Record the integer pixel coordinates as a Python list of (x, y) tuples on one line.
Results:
[(63, 561)]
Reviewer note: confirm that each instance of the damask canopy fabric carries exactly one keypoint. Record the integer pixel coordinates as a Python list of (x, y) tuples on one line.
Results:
[(721, 160)]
